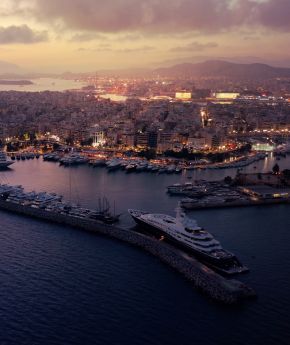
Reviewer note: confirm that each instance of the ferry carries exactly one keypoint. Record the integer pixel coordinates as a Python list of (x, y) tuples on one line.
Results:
[(184, 232)]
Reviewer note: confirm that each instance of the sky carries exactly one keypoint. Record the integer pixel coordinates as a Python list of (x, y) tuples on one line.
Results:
[(89, 35)]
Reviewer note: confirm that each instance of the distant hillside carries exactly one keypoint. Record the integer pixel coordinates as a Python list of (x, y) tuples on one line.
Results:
[(220, 69), (285, 63), (15, 82)]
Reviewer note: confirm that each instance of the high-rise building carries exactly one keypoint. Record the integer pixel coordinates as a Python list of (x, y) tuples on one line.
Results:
[(152, 139)]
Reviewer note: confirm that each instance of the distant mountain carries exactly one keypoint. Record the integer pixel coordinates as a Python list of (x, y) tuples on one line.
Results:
[(217, 69), (275, 62), (16, 82), (223, 69), (6, 67)]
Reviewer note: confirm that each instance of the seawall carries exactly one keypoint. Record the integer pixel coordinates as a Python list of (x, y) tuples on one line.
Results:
[(218, 288)]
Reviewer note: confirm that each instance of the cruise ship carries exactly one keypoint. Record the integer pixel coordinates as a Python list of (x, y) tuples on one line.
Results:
[(185, 233), (4, 161)]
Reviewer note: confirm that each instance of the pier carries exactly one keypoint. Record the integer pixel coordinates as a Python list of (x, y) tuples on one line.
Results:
[(218, 288), (218, 194), (238, 203)]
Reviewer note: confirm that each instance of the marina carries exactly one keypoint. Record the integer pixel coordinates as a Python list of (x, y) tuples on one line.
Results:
[(46, 207), (200, 194), (197, 189), (218, 194), (136, 164), (102, 269)]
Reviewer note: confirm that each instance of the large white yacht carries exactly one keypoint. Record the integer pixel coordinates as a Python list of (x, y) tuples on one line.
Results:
[(186, 233), (4, 161)]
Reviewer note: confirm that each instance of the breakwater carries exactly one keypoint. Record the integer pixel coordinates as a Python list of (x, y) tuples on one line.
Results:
[(212, 284)]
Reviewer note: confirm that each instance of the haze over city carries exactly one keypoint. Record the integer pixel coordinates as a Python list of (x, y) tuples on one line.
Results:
[(87, 35)]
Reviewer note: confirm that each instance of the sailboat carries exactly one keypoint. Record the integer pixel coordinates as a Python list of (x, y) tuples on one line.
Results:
[(103, 213)]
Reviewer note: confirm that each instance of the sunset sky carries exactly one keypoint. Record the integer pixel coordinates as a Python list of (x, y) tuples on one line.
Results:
[(86, 35)]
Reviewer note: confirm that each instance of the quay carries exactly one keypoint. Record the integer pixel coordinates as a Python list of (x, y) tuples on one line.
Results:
[(187, 205), (218, 288), (219, 195)]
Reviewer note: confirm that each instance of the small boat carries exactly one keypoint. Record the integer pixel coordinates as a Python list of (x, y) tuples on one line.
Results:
[(130, 168), (5, 162)]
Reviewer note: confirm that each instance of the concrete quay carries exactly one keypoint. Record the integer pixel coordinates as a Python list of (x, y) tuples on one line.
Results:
[(218, 288), (242, 203)]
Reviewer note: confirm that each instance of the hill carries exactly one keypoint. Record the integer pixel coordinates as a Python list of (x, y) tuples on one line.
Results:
[(224, 69)]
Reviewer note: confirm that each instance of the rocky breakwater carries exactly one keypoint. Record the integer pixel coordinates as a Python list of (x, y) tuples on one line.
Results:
[(218, 288)]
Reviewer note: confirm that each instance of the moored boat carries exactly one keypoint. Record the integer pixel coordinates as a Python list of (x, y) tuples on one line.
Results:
[(186, 234), (5, 162)]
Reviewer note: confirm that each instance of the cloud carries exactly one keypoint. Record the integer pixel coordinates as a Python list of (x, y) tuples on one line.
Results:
[(21, 34), (194, 47), (129, 37), (95, 36), (136, 50), (251, 38), (87, 36), (108, 48), (274, 14), (159, 16), (146, 16)]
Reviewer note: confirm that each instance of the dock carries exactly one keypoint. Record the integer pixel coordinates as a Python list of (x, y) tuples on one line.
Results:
[(215, 286), (244, 196), (238, 203)]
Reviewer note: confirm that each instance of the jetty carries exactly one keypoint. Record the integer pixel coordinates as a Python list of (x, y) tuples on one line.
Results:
[(187, 205), (217, 287), (218, 194)]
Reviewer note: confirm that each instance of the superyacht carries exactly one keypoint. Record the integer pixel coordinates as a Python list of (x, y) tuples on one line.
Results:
[(185, 232)]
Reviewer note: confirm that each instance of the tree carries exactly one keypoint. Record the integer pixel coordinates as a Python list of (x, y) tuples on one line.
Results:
[(276, 169)]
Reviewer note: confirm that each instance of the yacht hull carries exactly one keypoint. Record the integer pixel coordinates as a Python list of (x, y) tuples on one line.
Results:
[(5, 165), (214, 263)]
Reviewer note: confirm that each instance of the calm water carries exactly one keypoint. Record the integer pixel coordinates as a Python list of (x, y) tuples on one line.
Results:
[(63, 286), (43, 84)]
